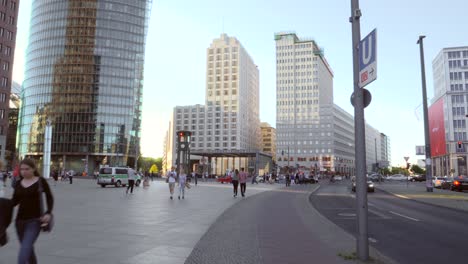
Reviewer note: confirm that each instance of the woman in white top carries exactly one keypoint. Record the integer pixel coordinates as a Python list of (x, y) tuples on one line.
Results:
[(171, 179), (182, 181)]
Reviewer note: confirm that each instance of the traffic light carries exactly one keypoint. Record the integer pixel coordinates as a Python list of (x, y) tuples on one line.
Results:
[(408, 165), (460, 145)]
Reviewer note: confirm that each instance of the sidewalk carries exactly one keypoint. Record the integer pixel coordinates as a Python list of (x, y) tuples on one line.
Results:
[(417, 192), (279, 226), (106, 226)]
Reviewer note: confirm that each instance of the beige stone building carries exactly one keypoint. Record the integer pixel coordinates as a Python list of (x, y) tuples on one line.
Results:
[(268, 141)]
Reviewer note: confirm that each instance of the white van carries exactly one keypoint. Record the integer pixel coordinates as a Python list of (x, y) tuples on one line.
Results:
[(116, 176)]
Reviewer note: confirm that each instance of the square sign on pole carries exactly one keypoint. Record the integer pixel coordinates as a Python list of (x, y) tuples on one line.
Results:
[(368, 59)]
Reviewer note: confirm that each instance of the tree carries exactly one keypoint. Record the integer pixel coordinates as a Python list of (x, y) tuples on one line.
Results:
[(386, 171), (418, 170), (158, 162), (398, 170)]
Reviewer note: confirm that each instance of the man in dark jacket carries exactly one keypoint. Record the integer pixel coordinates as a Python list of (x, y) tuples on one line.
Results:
[(6, 210)]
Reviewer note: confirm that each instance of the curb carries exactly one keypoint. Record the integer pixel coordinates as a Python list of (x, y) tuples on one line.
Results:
[(373, 252), (402, 196)]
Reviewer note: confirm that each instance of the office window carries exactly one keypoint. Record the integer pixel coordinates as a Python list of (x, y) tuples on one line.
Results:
[(2, 16), (4, 82), (2, 113), (11, 20), (6, 66)]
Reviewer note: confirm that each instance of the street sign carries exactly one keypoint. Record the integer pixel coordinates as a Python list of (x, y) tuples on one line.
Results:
[(368, 59), (420, 150), (367, 98), (406, 158)]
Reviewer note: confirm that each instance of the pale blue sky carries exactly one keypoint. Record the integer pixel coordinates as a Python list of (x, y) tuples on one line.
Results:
[(181, 30)]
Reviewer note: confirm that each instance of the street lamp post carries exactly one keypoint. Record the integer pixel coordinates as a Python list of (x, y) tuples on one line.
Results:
[(426, 118)]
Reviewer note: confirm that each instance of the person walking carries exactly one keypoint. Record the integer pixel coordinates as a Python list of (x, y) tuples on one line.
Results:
[(254, 178), (55, 176), (288, 180), (235, 181), (70, 176), (243, 181), (131, 180), (171, 180), (182, 181), (30, 219), (194, 176)]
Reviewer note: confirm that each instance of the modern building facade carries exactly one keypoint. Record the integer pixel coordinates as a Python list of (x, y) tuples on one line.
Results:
[(15, 103), (229, 121), (84, 72), (312, 132), (447, 113), (268, 139), (8, 20)]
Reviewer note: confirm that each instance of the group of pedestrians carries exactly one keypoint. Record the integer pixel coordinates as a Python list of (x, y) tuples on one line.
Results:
[(181, 181), (239, 177)]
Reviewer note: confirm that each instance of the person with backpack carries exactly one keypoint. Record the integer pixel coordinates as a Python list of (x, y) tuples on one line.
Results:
[(182, 182), (31, 217)]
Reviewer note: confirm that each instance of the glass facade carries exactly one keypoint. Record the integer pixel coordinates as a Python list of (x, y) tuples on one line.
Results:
[(84, 72)]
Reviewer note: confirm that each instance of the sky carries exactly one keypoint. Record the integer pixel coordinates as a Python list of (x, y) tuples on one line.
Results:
[(180, 31)]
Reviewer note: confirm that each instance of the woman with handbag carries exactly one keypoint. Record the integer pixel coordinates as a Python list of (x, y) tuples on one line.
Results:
[(31, 217)]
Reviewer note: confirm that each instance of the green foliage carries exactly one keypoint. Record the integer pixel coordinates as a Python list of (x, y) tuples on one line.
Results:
[(386, 171), (418, 170), (398, 170), (145, 163)]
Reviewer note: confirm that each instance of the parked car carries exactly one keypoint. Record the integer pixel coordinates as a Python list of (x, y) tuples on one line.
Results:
[(376, 177), (460, 184), (370, 185), (437, 182), (397, 177), (447, 184), (418, 178), (338, 178), (224, 179)]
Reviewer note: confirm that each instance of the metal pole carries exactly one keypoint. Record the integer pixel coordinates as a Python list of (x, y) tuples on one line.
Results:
[(288, 157), (360, 140), (426, 118)]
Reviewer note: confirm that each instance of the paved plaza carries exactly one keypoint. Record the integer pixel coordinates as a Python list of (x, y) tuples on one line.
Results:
[(104, 225)]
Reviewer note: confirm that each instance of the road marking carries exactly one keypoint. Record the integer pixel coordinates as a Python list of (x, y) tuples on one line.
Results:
[(373, 240), (371, 204), (407, 217), (378, 214), (401, 196), (347, 214)]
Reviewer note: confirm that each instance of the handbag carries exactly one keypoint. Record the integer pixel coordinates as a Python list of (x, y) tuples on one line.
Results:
[(50, 225)]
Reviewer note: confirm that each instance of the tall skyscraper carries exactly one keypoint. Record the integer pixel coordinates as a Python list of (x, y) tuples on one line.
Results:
[(447, 113), (232, 90), (312, 132), (229, 121), (84, 72), (8, 21)]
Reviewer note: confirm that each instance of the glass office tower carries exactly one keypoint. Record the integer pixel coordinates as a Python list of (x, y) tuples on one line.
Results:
[(84, 72)]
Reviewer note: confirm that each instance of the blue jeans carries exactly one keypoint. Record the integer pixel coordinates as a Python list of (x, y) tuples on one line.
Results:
[(28, 231)]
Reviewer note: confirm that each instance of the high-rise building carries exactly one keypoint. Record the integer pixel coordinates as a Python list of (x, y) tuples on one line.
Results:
[(84, 73), (8, 21), (312, 132), (268, 140), (232, 96), (447, 113), (229, 121), (15, 103)]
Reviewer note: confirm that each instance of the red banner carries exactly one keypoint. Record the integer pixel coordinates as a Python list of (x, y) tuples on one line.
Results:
[(437, 128)]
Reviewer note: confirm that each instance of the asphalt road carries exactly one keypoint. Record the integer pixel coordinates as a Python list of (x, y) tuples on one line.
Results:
[(404, 230)]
